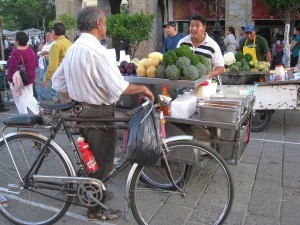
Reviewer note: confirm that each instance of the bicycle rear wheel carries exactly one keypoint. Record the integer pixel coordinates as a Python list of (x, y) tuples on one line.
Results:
[(207, 193), (26, 203)]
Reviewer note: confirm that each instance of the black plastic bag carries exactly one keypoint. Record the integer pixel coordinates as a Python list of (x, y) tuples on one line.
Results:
[(144, 139)]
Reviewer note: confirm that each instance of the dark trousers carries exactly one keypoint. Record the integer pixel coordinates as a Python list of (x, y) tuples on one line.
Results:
[(294, 61), (102, 142)]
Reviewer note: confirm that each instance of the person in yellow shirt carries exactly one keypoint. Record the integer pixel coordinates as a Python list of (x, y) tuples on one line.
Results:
[(57, 52)]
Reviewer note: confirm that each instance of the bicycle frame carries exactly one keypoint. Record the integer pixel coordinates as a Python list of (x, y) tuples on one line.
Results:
[(55, 182)]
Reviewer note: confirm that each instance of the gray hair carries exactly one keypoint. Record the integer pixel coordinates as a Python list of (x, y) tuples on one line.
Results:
[(88, 16)]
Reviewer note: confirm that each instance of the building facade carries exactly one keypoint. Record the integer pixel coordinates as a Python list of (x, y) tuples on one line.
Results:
[(235, 13)]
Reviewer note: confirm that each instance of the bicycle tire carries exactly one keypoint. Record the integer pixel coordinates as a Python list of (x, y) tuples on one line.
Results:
[(31, 205), (208, 193)]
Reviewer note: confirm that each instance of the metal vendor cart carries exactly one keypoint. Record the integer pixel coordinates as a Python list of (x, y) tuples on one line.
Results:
[(229, 138)]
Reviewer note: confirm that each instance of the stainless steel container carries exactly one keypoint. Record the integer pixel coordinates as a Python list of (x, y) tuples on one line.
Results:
[(238, 101), (226, 134), (219, 112)]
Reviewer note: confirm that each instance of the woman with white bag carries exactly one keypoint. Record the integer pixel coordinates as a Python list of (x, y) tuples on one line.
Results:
[(22, 93)]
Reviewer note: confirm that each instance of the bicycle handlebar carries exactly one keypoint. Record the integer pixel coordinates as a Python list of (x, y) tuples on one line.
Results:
[(144, 104)]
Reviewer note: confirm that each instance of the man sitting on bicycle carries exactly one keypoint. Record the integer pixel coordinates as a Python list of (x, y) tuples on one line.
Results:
[(89, 76)]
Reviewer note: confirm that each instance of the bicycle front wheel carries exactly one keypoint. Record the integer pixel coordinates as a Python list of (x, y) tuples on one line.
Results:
[(27, 204), (207, 194)]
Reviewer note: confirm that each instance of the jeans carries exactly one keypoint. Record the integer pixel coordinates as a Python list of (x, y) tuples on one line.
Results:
[(43, 91)]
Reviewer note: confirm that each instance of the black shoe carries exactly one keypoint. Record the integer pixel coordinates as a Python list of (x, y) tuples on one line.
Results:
[(4, 110), (101, 215)]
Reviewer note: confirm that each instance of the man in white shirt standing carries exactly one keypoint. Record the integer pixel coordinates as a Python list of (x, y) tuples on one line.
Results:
[(88, 75), (44, 49)]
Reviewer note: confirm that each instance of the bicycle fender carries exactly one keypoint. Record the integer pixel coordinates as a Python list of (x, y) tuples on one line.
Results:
[(179, 138), (39, 135)]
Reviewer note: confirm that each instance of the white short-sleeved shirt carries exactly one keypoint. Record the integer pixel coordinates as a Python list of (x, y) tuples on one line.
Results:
[(208, 48), (89, 74)]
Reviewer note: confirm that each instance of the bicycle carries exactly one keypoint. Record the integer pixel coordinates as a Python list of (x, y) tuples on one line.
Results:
[(4, 85), (39, 182)]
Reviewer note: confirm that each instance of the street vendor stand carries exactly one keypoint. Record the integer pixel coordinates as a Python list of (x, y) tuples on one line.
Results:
[(228, 138), (270, 95)]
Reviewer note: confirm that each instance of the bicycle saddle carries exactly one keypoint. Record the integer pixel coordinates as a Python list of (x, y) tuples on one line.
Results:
[(23, 119), (59, 107)]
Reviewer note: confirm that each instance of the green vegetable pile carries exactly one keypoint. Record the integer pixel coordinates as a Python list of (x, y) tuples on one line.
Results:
[(245, 63), (181, 63)]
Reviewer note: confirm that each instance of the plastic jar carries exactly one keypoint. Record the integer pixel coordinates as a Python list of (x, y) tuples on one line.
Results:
[(279, 72)]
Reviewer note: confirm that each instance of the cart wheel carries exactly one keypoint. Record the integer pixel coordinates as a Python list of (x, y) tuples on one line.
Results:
[(261, 120)]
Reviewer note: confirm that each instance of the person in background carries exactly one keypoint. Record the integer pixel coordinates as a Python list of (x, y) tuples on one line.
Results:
[(172, 38), (8, 50), (277, 52), (97, 84), (43, 51), (230, 40), (295, 46), (243, 36), (57, 53), (256, 45), (201, 43), (22, 95)]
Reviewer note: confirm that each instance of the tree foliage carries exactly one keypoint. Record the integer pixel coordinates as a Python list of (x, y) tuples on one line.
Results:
[(68, 20), (282, 4), (23, 14), (130, 29)]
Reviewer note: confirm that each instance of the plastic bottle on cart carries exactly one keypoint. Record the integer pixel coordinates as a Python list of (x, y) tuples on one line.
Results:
[(289, 72), (87, 155), (272, 75), (165, 109), (279, 71)]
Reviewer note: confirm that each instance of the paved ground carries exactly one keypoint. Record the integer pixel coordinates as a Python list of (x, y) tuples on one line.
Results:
[(267, 178)]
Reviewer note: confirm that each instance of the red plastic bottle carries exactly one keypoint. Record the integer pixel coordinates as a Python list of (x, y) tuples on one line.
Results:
[(87, 155), (165, 109)]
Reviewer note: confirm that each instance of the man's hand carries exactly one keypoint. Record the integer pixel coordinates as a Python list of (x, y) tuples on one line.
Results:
[(45, 83), (149, 94)]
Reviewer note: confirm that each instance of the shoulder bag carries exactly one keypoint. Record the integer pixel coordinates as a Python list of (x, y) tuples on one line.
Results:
[(22, 71)]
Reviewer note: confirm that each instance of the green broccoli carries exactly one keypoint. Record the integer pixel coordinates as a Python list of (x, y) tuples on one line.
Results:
[(172, 72), (194, 59), (243, 62), (183, 50), (238, 56), (160, 71), (201, 69), (190, 72), (238, 64), (169, 57), (234, 69), (183, 62), (245, 68), (206, 62), (248, 57)]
